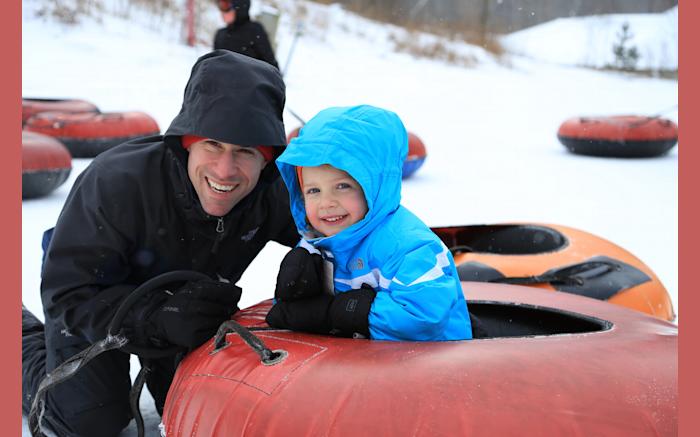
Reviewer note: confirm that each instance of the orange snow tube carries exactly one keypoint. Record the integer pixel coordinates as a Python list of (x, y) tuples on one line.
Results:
[(624, 136), (31, 107), (556, 258), (552, 364), (46, 164), (88, 134)]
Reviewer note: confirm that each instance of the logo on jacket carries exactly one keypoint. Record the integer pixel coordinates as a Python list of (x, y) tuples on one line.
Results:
[(357, 264), (249, 236)]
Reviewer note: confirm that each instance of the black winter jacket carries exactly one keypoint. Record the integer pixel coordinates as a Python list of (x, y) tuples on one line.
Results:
[(134, 214), (245, 36)]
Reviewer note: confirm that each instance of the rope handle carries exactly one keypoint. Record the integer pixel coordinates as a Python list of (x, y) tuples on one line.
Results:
[(267, 356), (575, 274)]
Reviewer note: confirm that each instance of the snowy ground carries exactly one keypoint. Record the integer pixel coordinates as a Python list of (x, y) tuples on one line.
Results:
[(490, 131)]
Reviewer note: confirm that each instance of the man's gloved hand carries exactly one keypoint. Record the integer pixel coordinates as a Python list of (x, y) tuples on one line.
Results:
[(193, 313), (300, 275), (343, 314)]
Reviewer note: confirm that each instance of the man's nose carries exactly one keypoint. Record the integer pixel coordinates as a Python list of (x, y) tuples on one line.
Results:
[(226, 166)]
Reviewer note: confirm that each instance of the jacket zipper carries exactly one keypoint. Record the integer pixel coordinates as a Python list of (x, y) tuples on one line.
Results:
[(220, 231)]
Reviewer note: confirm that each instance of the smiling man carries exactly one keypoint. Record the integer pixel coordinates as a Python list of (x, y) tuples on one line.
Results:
[(205, 196)]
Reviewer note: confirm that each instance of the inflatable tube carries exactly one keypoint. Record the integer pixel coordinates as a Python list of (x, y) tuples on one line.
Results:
[(46, 164), (88, 134), (557, 258), (416, 156), (31, 107), (625, 136), (557, 364), (414, 159)]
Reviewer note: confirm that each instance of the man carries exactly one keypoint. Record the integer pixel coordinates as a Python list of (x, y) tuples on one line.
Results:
[(206, 197), (241, 35)]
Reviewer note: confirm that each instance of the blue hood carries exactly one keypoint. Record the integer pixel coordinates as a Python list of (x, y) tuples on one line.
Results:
[(368, 143)]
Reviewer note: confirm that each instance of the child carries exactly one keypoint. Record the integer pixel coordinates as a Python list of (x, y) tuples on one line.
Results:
[(393, 279)]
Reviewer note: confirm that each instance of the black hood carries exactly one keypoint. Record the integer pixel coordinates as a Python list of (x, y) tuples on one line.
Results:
[(234, 99)]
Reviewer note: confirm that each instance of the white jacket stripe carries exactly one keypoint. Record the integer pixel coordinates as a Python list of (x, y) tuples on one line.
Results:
[(374, 278)]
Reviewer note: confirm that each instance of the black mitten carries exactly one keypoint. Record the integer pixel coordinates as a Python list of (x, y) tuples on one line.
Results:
[(309, 315), (300, 275), (349, 312), (192, 315)]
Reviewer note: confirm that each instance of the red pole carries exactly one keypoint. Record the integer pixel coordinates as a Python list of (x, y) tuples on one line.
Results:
[(190, 23)]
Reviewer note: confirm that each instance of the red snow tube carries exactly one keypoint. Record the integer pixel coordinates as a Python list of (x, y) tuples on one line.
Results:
[(46, 164), (623, 136), (553, 364), (414, 159), (32, 106), (416, 155), (88, 134)]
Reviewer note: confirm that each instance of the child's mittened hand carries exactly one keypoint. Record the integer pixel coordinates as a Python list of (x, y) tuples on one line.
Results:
[(308, 315), (300, 275)]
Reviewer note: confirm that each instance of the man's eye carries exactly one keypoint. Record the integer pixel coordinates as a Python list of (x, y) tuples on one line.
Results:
[(246, 151)]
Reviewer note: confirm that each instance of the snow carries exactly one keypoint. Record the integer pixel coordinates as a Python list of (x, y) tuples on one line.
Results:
[(490, 130)]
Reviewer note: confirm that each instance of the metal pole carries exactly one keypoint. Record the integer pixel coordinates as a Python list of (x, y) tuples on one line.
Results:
[(190, 23)]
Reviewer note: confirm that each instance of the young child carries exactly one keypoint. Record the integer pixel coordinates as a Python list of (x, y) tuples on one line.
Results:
[(393, 279)]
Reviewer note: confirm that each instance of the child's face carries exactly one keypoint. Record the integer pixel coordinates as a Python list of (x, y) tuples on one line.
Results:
[(333, 199)]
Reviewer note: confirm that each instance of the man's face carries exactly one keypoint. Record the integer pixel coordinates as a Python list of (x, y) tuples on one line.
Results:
[(223, 174), (332, 198), (228, 13)]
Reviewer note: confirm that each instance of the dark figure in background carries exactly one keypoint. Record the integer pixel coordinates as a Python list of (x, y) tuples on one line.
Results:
[(205, 196), (241, 35)]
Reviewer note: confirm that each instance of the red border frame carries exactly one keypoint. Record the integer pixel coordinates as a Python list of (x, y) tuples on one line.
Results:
[(11, 188)]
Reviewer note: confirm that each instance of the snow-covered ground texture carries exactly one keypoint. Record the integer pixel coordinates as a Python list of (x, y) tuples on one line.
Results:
[(490, 130), (588, 41)]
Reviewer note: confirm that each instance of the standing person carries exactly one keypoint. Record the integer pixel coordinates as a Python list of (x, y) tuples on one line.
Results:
[(241, 35), (204, 197), (393, 278)]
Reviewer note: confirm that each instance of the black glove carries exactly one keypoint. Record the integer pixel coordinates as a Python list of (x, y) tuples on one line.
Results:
[(308, 315), (344, 314), (192, 315), (349, 312), (300, 275)]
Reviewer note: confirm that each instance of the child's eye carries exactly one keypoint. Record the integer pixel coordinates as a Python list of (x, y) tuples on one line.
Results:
[(312, 191), (343, 186)]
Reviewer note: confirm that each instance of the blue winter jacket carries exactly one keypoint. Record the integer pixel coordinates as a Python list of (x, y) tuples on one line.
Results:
[(419, 296)]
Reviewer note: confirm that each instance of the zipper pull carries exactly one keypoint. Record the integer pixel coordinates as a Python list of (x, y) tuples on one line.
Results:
[(220, 225)]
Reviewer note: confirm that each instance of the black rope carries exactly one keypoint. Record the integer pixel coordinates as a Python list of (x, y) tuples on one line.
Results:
[(267, 356), (462, 248), (114, 340), (575, 274), (135, 396), (66, 370)]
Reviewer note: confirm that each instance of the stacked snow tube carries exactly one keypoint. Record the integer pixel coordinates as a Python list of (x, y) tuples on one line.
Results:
[(32, 106), (414, 159), (556, 258), (46, 164), (88, 134), (624, 136)]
